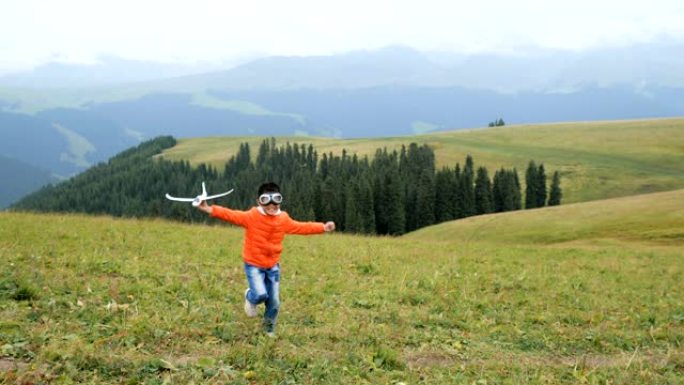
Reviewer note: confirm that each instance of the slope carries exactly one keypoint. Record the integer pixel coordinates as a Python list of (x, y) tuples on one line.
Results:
[(597, 160), (102, 300), (649, 219)]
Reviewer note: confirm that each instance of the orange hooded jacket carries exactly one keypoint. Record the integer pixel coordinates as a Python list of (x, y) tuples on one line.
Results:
[(264, 233)]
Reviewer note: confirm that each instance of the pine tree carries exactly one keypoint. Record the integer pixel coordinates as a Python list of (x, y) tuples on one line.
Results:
[(445, 195), (380, 207), (311, 158), (425, 200), (541, 187), (483, 192), (517, 193), (323, 169), (412, 163), (506, 191), (531, 186), (263, 154), (353, 218), (379, 170), (396, 218), (365, 205), (459, 193), (468, 187), (326, 195), (497, 123), (499, 193), (556, 193)]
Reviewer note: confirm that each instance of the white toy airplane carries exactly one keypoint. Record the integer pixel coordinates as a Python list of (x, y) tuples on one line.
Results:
[(202, 197)]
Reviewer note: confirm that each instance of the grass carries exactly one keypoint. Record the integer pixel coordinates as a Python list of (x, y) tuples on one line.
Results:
[(597, 160), (655, 218), (496, 299)]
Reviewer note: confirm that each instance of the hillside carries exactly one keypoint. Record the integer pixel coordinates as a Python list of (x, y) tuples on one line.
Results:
[(100, 300), (379, 196), (597, 160), (88, 113), (656, 218)]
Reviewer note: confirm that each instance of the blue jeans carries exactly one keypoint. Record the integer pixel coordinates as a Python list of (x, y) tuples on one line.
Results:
[(264, 287)]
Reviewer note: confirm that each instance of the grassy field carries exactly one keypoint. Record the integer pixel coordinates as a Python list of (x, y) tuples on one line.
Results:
[(597, 160), (584, 293)]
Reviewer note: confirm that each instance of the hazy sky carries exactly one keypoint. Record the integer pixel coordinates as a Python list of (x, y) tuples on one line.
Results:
[(36, 31)]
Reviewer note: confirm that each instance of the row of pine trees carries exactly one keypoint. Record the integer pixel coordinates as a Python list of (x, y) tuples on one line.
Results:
[(392, 193)]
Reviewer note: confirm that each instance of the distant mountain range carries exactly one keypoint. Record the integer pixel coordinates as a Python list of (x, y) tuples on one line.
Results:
[(64, 118), (653, 64)]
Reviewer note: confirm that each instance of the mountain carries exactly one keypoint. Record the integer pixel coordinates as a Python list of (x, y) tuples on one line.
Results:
[(107, 70), (34, 141), (72, 139), (19, 178), (406, 110), (65, 118), (657, 64)]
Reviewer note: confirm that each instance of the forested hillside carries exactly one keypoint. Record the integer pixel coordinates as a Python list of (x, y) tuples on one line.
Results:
[(392, 193)]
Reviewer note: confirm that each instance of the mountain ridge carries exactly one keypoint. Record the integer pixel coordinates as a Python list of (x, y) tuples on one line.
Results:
[(653, 64), (387, 92)]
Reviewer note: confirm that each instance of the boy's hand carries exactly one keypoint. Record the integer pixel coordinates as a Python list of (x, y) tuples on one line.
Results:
[(329, 226), (203, 206)]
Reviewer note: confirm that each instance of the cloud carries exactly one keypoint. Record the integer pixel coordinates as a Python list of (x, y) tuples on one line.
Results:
[(33, 31)]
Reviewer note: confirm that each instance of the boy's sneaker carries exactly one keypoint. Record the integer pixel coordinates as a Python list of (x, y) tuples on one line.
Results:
[(250, 308), (270, 335)]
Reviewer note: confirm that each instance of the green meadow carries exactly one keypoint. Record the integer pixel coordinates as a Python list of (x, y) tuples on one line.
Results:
[(596, 160), (586, 293)]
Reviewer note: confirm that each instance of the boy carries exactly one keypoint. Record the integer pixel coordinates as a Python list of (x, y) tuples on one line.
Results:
[(265, 227)]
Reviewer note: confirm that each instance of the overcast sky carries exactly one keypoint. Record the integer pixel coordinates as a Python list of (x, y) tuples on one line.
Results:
[(36, 31)]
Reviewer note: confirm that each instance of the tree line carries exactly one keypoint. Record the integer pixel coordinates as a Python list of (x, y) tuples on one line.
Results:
[(392, 193)]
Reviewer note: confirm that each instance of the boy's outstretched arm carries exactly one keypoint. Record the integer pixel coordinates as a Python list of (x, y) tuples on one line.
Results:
[(291, 226), (236, 217)]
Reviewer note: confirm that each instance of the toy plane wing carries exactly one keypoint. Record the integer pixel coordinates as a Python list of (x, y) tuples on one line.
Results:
[(218, 195), (169, 197), (198, 199)]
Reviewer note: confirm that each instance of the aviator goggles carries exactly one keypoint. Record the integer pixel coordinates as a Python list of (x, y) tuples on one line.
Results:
[(267, 198)]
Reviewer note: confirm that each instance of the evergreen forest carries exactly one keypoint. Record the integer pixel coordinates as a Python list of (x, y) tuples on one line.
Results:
[(391, 194)]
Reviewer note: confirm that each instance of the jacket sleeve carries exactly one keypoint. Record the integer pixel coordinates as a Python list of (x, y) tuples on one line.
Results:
[(303, 228), (235, 217)]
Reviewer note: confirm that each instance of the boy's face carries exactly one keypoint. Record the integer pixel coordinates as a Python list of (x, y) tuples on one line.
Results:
[(270, 202)]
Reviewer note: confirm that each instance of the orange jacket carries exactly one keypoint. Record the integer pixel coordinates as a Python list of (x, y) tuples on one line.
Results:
[(264, 233)]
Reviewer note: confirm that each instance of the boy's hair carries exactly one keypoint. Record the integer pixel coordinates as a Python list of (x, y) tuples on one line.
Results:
[(268, 187)]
